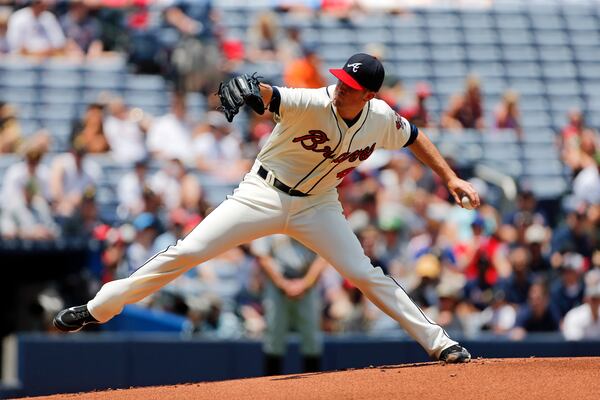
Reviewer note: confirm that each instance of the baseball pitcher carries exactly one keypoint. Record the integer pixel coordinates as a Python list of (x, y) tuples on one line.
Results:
[(321, 135)]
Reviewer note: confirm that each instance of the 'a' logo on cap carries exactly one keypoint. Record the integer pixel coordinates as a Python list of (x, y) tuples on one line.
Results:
[(354, 66)]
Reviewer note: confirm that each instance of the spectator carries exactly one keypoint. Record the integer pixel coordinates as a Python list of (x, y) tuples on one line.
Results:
[(567, 293), (418, 113), (90, 130), (130, 189), (141, 249), (30, 219), (35, 31), (81, 225), (465, 110), (570, 135), (508, 115), (499, 318), (264, 38), (580, 151), (525, 214), (10, 130), (583, 322), (217, 146), (175, 186), (305, 72), (82, 31), (536, 239), (485, 252), (30, 169), (586, 185), (428, 269), (124, 130), (572, 235), (195, 59), (170, 136), (516, 286), (4, 17), (291, 47), (445, 312), (71, 175), (538, 315)]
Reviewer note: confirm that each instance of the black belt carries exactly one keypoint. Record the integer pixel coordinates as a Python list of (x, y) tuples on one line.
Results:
[(280, 185)]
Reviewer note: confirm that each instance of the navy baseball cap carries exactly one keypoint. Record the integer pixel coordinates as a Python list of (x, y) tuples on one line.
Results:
[(360, 72)]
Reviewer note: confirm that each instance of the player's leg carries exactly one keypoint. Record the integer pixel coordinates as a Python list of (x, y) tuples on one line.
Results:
[(250, 213), (277, 319), (307, 317), (326, 231)]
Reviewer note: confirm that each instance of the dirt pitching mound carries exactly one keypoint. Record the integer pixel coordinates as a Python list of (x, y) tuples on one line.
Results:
[(531, 378)]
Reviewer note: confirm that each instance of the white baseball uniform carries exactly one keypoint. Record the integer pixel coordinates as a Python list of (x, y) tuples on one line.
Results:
[(310, 150)]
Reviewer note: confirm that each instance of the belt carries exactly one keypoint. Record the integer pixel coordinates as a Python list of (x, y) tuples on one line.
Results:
[(263, 173)]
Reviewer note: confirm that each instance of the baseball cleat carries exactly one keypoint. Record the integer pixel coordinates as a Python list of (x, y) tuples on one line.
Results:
[(455, 354), (73, 319)]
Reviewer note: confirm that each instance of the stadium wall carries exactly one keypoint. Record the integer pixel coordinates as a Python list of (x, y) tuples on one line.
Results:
[(50, 364)]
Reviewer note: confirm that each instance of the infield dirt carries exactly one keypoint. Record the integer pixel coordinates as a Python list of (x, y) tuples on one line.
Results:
[(531, 378)]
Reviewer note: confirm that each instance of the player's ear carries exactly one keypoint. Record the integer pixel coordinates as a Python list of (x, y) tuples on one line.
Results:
[(369, 95)]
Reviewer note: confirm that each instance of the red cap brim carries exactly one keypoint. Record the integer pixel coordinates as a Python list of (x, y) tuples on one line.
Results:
[(346, 78)]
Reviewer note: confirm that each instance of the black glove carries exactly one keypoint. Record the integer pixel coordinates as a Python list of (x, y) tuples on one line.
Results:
[(239, 90)]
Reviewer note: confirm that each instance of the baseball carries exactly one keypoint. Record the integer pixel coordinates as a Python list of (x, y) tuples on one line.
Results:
[(466, 203)]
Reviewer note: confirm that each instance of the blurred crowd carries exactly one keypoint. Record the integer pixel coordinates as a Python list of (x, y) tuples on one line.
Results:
[(500, 270)]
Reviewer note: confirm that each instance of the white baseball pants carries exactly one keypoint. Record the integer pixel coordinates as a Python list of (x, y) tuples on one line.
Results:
[(257, 209)]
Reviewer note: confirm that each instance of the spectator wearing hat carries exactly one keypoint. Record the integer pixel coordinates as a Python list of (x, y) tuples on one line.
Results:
[(216, 145), (70, 176), (418, 113), (147, 228), (484, 256), (35, 31), (536, 240), (81, 225), (538, 315), (583, 322), (567, 292), (428, 269), (305, 72), (29, 218)]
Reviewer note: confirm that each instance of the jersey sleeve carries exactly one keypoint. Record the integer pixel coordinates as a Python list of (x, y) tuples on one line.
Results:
[(293, 102), (398, 131)]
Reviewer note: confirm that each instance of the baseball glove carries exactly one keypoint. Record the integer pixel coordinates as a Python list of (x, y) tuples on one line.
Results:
[(239, 90)]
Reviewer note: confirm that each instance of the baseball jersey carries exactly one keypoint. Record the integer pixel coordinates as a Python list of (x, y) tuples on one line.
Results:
[(311, 149)]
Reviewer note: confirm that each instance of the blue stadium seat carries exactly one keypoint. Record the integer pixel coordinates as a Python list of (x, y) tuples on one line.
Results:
[(59, 96), (515, 37), (18, 95), (408, 53), (479, 53), (19, 79), (481, 37), (519, 53), (144, 82)]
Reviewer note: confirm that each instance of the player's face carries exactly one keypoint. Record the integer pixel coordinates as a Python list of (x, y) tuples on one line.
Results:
[(344, 95)]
